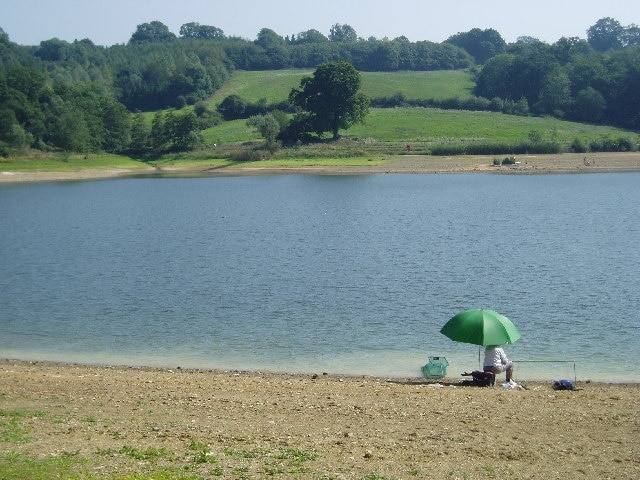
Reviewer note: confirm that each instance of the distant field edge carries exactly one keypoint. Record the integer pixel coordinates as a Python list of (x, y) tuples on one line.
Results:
[(399, 164)]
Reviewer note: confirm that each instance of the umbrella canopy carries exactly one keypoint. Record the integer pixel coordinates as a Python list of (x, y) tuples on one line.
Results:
[(481, 327)]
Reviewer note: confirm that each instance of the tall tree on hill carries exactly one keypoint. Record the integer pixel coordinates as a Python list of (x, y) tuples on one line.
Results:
[(481, 44), (331, 98), (606, 34), (200, 32), (152, 32), (343, 33)]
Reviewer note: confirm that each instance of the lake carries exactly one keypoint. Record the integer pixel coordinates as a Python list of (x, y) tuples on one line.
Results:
[(311, 273)]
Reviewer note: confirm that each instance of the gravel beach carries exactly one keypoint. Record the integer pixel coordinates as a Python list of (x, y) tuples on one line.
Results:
[(117, 420)]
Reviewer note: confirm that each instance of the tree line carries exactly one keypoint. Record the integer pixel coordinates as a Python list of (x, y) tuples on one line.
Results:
[(82, 97), (593, 81)]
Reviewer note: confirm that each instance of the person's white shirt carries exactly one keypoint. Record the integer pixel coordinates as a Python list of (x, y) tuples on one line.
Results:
[(494, 356)]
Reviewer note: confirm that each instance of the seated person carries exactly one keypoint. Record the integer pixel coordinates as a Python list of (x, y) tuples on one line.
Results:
[(496, 361)]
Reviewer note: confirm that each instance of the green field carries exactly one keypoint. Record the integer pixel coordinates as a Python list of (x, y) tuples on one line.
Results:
[(65, 161), (438, 85), (401, 125), (386, 127), (433, 126), (274, 85), (271, 85)]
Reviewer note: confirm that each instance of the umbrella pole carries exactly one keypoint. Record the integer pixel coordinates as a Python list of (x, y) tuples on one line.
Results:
[(479, 358)]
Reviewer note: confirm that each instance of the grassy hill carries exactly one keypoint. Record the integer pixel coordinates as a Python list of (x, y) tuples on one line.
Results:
[(388, 131), (438, 85), (435, 125), (274, 85)]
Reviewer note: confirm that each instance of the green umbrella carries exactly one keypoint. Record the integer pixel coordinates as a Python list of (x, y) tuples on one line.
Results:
[(481, 327)]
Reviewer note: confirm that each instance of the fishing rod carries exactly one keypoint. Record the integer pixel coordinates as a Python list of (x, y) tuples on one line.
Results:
[(575, 377)]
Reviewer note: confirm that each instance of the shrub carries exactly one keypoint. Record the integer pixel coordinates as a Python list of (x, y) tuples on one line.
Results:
[(232, 107), (607, 144), (249, 155), (495, 148), (579, 146)]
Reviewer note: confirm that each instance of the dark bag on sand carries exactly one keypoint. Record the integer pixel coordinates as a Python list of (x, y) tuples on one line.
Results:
[(563, 385), (480, 379)]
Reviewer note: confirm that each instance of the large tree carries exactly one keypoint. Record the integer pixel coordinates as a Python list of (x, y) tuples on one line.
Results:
[(481, 44), (200, 32), (606, 34), (152, 32), (343, 33), (331, 98)]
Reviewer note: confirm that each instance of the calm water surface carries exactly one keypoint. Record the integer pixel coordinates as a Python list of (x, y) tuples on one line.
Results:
[(341, 274)]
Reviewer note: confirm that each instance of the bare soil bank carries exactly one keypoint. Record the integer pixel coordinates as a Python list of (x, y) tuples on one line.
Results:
[(563, 163), (215, 424)]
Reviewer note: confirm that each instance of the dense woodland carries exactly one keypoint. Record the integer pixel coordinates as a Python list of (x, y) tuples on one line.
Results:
[(82, 97)]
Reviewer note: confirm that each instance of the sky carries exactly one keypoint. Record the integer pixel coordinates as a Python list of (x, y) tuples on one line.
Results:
[(109, 22)]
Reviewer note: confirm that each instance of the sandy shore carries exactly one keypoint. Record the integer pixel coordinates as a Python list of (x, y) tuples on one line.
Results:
[(110, 421), (564, 163)]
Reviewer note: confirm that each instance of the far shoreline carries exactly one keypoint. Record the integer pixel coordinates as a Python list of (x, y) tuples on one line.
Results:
[(402, 164)]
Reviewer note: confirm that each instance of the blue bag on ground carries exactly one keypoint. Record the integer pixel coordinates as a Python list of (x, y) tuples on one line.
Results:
[(563, 385)]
